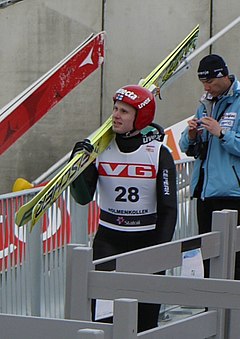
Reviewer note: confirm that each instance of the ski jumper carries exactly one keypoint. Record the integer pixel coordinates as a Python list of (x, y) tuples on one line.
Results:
[(137, 199)]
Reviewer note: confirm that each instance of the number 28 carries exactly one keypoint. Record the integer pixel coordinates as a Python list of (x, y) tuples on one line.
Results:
[(132, 194)]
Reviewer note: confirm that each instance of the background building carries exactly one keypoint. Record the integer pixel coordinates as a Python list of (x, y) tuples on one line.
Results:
[(35, 35)]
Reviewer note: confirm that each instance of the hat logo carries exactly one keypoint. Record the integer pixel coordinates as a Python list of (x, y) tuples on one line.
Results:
[(203, 73), (219, 75)]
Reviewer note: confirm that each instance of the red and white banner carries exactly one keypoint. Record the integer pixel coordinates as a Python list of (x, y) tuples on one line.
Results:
[(31, 105), (56, 226), (12, 238), (56, 231)]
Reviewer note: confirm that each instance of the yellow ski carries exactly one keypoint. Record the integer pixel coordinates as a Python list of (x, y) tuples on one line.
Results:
[(169, 65), (35, 208)]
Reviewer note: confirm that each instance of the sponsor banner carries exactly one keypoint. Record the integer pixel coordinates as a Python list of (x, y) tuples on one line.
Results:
[(56, 226), (56, 231), (12, 238)]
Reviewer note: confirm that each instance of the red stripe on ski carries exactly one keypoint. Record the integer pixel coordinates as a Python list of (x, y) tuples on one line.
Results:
[(17, 120)]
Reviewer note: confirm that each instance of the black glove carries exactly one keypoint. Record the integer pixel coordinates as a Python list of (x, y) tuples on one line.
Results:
[(80, 146)]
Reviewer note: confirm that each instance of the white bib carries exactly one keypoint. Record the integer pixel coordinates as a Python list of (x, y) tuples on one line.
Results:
[(127, 187)]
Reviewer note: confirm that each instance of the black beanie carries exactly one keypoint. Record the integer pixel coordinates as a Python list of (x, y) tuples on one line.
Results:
[(212, 66)]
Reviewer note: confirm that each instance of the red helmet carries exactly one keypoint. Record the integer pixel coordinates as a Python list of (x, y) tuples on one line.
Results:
[(141, 99)]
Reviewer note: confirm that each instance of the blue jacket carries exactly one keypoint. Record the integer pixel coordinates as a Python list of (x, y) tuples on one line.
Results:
[(222, 163)]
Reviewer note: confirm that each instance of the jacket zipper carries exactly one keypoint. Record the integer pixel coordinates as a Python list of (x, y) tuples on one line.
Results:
[(234, 170)]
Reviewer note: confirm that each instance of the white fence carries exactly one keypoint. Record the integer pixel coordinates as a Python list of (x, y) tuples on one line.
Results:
[(128, 284), (133, 279)]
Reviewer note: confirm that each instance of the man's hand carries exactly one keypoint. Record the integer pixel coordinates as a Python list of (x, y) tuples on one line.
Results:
[(212, 126), (192, 128), (80, 146)]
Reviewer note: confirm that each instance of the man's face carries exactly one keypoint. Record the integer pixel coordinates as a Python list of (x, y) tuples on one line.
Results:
[(123, 117), (216, 86)]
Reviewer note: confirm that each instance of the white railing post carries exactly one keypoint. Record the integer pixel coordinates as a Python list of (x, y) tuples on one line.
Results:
[(222, 267), (35, 268), (125, 319), (78, 304)]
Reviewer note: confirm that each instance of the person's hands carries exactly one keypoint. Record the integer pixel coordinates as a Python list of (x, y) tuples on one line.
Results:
[(80, 146), (212, 126), (83, 145), (192, 128)]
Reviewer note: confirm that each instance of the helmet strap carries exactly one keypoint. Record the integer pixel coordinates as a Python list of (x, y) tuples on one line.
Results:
[(129, 134)]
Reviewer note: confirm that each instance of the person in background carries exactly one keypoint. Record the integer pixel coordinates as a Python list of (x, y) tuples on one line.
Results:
[(212, 137), (136, 183)]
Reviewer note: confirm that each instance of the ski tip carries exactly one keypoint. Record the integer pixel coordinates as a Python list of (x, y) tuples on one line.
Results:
[(23, 215), (18, 221)]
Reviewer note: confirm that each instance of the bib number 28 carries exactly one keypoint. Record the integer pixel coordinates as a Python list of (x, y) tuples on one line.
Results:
[(131, 194)]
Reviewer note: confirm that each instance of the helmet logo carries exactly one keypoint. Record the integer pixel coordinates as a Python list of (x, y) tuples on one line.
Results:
[(123, 92), (144, 103)]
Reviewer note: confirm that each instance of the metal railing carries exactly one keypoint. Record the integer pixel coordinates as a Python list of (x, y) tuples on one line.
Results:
[(32, 265)]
